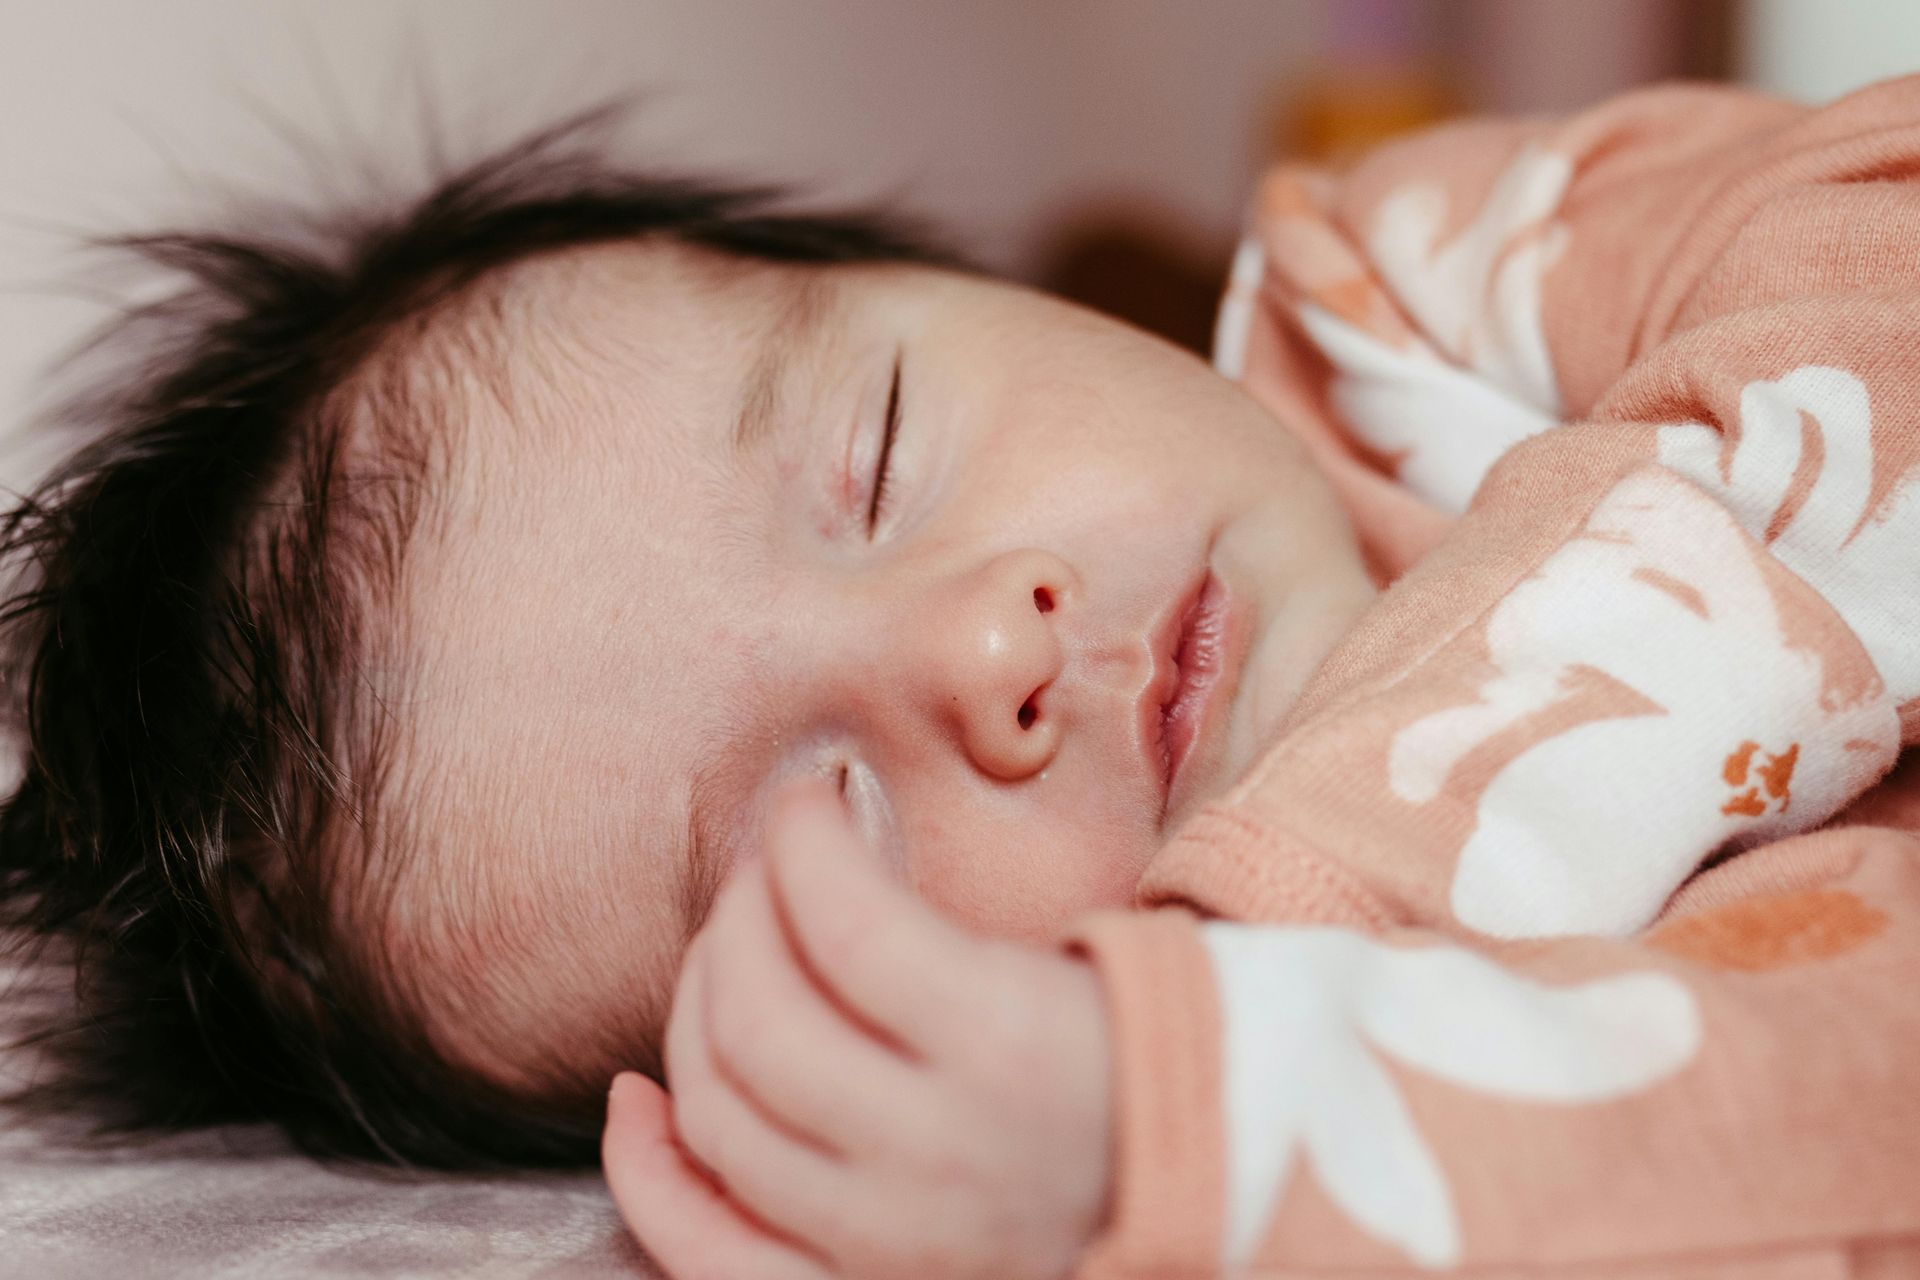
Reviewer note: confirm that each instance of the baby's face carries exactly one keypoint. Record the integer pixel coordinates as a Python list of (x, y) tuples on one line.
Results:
[(1029, 584)]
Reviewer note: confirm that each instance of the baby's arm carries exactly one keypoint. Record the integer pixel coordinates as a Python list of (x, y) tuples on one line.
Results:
[(882, 1096), (1664, 357), (1667, 357), (1731, 1091)]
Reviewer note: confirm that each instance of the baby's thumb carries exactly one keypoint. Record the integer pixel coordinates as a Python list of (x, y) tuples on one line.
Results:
[(638, 1123)]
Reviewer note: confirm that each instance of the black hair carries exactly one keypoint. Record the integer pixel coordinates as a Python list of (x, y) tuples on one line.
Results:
[(192, 595)]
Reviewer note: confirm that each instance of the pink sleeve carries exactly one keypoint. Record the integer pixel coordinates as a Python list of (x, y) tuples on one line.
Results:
[(1627, 409), (1652, 374), (1729, 1094)]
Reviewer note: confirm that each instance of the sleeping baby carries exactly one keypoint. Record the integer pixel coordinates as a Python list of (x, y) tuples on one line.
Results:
[(1424, 799)]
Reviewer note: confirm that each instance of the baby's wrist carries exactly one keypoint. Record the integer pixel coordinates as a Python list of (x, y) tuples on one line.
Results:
[(1091, 1052)]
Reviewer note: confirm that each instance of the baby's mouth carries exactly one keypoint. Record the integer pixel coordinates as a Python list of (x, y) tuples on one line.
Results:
[(1196, 663), (1192, 645)]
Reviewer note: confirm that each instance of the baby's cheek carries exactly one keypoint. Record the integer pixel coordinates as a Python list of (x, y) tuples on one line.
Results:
[(1029, 888)]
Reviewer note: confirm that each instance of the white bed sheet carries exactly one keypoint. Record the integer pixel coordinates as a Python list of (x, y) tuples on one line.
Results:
[(239, 1203)]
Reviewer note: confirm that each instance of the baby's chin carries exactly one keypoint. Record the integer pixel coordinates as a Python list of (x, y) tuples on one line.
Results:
[(1285, 658), (1306, 588), (1233, 754), (1294, 628)]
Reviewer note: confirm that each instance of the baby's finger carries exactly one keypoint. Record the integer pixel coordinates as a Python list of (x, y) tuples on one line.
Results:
[(783, 1043), (876, 947), (685, 1224), (797, 1190)]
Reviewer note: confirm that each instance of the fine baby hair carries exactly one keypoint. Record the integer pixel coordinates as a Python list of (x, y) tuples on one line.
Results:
[(195, 603)]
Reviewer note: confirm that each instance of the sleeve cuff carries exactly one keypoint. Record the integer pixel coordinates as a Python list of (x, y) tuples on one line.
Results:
[(1169, 1142)]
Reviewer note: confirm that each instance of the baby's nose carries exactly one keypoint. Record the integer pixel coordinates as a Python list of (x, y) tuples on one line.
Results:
[(1000, 656)]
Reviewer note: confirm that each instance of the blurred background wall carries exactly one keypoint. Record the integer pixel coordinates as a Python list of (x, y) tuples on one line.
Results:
[(1100, 147)]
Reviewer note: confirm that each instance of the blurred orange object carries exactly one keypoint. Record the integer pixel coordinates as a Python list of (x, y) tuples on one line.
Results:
[(1383, 75)]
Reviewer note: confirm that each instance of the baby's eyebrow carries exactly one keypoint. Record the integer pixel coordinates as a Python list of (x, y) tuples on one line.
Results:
[(799, 326)]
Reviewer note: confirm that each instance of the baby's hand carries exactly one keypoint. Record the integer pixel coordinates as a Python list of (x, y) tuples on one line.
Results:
[(872, 1091)]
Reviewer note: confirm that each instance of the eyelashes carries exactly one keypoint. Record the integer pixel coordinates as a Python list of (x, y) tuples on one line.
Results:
[(883, 466)]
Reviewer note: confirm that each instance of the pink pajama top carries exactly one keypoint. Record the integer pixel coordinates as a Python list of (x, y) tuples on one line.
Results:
[(1571, 924)]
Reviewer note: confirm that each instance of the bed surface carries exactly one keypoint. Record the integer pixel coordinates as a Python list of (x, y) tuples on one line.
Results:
[(239, 1203)]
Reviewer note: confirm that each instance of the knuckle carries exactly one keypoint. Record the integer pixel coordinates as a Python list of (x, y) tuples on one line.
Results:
[(679, 1067), (854, 1236), (702, 1130), (881, 1262), (684, 1060), (737, 1031), (920, 1232), (846, 943), (709, 1269), (863, 1258)]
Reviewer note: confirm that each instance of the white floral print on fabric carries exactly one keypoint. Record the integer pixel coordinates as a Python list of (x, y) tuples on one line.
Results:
[(1863, 556), (1478, 378), (1233, 327), (1478, 297), (1308, 1013), (1725, 730)]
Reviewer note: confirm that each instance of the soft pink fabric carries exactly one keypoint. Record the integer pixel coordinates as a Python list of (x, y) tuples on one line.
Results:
[(1571, 923)]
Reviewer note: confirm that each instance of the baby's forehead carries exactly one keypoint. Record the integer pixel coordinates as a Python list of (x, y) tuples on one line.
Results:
[(653, 303), (642, 361), (555, 357), (536, 612)]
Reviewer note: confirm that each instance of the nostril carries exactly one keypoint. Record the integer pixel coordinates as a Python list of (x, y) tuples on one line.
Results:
[(1043, 599), (1029, 712)]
